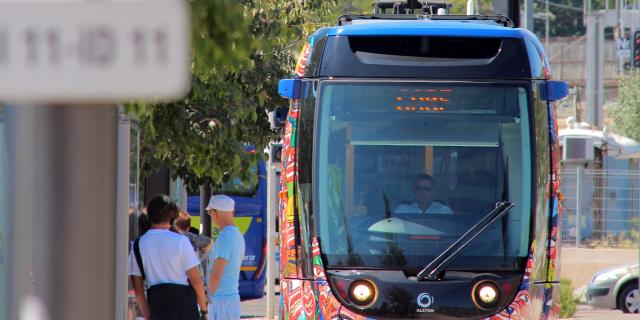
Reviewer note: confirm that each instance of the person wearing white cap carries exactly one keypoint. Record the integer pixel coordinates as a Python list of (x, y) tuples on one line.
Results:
[(226, 258)]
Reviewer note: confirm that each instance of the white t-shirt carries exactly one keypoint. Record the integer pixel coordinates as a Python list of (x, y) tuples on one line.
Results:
[(166, 257), (415, 208)]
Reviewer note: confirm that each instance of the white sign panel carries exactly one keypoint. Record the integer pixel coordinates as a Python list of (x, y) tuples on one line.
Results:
[(94, 51)]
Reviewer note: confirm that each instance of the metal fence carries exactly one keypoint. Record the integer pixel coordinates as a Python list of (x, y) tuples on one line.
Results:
[(601, 208)]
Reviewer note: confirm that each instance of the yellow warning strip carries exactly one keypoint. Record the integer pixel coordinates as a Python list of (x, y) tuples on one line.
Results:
[(248, 268)]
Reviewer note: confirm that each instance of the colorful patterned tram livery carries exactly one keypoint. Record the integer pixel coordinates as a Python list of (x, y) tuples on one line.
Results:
[(452, 112)]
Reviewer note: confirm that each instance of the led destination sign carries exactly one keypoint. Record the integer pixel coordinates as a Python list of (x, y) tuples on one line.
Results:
[(422, 100)]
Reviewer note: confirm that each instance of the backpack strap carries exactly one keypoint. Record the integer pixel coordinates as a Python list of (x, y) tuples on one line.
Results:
[(136, 252)]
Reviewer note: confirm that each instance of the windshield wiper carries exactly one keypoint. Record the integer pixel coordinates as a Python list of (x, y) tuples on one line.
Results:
[(431, 271), (387, 208)]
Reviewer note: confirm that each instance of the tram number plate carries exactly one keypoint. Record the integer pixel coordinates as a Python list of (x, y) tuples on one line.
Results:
[(96, 50)]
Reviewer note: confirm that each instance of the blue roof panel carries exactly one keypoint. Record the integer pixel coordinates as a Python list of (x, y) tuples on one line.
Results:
[(427, 28)]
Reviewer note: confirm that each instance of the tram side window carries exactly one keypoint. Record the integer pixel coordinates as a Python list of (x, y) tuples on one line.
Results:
[(305, 151)]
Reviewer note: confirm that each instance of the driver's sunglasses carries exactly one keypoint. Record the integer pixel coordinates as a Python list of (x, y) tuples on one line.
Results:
[(421, 188)]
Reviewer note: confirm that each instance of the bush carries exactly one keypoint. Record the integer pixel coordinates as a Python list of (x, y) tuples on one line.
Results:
[(567, 301)]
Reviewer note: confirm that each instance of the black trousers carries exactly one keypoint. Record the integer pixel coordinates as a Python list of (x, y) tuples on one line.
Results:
[(169, 301)]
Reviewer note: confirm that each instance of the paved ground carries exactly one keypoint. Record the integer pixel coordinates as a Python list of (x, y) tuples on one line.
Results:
[(256, 309), (588, 313)]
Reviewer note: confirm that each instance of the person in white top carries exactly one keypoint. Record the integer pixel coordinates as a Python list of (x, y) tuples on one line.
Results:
[(169, 266), (423, 201)]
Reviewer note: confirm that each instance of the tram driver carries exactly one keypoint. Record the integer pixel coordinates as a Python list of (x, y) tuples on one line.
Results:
[(423, 198)]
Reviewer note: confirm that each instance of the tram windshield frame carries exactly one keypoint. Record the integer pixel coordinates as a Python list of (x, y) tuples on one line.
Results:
[(373, 142)]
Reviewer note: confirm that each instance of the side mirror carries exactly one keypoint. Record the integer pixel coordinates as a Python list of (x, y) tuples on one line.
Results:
[(553, 90), (289, 88)]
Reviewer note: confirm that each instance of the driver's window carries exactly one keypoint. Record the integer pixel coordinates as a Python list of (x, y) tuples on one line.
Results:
[(383, 178)]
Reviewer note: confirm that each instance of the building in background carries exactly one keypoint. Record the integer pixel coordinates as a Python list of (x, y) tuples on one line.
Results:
[(600, 185)]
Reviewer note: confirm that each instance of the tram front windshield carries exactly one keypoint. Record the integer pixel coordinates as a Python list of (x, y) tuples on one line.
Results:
[(403, 169)]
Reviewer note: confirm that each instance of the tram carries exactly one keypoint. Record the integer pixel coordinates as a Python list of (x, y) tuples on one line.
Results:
[(420, 172)]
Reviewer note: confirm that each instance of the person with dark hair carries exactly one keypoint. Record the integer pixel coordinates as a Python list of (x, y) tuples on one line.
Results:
[(167, 262), (143, 224), (423, 198)]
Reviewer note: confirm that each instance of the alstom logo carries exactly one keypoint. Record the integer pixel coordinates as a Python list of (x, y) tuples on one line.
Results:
[(425, 300)]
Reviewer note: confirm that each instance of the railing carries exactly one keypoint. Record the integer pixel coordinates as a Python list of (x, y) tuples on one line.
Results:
[(601, 208)]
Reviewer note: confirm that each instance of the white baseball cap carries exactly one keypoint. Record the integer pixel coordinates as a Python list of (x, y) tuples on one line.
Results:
[(221, 202)]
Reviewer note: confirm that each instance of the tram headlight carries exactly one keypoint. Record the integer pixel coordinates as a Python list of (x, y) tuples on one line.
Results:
[(363, 293), (486, 294)]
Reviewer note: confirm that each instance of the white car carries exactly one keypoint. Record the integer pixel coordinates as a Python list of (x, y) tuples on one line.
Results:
[(615, 288)]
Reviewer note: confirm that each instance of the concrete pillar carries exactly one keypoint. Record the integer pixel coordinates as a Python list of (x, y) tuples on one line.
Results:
[(62, 212)]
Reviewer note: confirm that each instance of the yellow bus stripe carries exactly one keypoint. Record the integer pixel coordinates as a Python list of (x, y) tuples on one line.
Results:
[(248, 268)]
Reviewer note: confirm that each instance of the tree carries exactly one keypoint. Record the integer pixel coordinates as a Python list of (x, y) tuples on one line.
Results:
[(566, 15), (240, 50), (565, 18), (624, 114), (366, 6)]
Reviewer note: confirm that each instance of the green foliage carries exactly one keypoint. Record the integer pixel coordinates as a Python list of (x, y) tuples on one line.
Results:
[(356, 6), (221, 38), (567, 302), (240, 51), (625, 113), (366, 6), (563, 21)]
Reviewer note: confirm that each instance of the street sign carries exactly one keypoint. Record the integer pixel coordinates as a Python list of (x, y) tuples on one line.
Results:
[(94, 51)]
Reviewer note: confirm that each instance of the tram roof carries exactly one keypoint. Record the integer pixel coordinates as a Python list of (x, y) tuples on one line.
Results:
[(520, 56), (467, 28)]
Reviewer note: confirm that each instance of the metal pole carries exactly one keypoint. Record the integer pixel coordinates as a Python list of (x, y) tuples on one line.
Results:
[(272, 211), (586, 11), (122, 216), (4, 185), (470, 8), (562, 62), (621, 10), (599, 111), (591, 70), (205, 219), (578, 204), (62, 221), (528, 15), (546, 29)]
